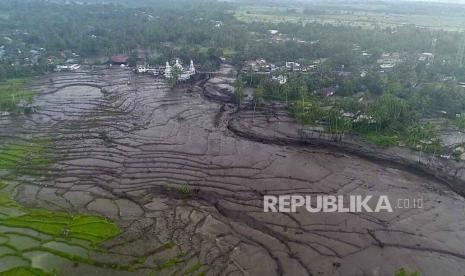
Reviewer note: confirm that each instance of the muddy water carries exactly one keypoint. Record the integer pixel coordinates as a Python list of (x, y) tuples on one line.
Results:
[(163, 164), (70, 102)]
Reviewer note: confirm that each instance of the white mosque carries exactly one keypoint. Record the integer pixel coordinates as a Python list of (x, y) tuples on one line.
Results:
[(185, 73)]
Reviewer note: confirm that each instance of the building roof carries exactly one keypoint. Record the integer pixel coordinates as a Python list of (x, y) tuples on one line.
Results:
[(119, 58)]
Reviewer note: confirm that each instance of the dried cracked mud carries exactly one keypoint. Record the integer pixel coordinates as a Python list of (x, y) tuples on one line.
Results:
[(186, 191)]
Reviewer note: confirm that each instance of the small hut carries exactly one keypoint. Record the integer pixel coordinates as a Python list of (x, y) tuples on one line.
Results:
[(119, 59)]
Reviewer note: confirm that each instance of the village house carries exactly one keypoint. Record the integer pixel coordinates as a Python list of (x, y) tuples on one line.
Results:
[(327, 91), (119, 59), (426, 57), (67, 68), (388, 60), (292, 66), (298, 40), (366, 54), (273, 32), (276, 36), (218, 24), (281, 79), (262, 67), (258, 66), (143, 69)]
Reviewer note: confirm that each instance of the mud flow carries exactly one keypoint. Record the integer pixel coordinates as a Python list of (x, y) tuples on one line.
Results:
[(186, 187)]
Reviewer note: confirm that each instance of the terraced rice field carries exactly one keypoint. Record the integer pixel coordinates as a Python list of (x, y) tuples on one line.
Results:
[(107, 178)]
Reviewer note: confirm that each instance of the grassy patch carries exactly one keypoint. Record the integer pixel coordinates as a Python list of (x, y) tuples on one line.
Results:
[(171, 263), (460, 121), (183, 191), (403, 272), (423, 137), (32, 155), (24, 271), (13, 94), (385, 140), (229, 52), (349, 17), (58, 224)]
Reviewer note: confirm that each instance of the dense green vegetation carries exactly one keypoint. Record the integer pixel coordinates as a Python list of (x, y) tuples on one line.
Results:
[(387, 119), (203, 31), (162, 31)]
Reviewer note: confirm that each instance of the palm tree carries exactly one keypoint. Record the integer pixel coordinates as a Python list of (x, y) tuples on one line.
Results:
[(303, 90), (286, 91), (258, 97), (175, 73), (239, 91)]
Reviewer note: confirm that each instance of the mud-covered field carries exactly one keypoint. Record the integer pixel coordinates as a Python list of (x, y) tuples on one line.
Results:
[(187, 192)]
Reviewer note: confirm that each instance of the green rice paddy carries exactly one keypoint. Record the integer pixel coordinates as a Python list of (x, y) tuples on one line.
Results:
[(13, 94), (33, 241)]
